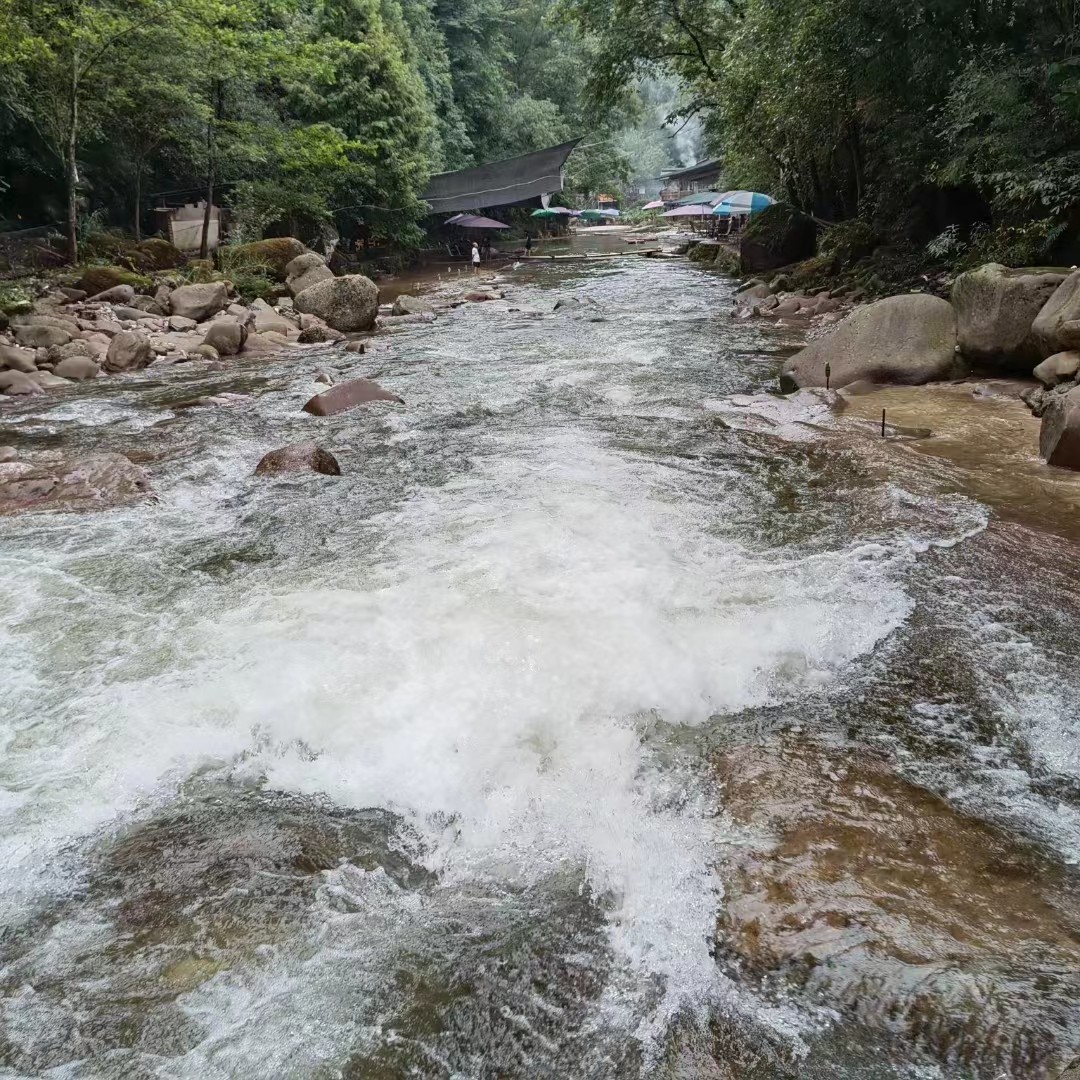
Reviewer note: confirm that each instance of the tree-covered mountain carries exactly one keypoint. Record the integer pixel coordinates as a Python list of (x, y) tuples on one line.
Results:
[(294, 112)]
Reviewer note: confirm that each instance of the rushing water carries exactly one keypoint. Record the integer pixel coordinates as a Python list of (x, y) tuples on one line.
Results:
[(588, 727)]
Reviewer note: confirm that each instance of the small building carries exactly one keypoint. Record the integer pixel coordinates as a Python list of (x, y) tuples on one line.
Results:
[(704, 176), (183, 225)]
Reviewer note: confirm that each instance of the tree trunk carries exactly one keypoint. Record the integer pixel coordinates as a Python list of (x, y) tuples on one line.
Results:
[(71, 169), (138, 201), (211, 149)]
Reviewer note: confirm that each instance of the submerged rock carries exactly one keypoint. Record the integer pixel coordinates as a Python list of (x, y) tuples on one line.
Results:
[(348, 395), (91, 483), (902, 339), (299, 457), (411, 305)]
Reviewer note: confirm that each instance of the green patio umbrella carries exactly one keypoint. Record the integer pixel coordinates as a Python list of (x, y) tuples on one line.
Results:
[(544, 214)]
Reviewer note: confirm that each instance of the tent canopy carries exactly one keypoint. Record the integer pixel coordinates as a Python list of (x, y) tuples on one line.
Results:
[(694, 210), (500, 183), (710, 198), (474, 221)]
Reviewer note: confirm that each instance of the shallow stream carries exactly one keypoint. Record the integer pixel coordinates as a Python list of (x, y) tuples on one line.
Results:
[(590, 726)]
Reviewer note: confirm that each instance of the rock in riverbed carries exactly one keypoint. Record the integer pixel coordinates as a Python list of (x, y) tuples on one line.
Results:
[(1059, 436), (902, 339), (348, 395), (345, 303), (299, 457), (91, 483), (199, 302)]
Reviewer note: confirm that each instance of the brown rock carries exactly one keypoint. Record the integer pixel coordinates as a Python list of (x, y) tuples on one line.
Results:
[(348, 395), (207, 352), (275, 253), (411, 305), (1059, 436), (260, 345), (299, 457), (345, 303), (306, 270), (179, 323), (1057, 325), (128, 351), (7, 454)]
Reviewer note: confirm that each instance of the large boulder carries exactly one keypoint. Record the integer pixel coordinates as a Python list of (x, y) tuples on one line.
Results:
[(90, 483), (348, 395), (199, 302), (15, 359), (128, 351), (778, 236), (344, 303), (267, 319), (995, 309), (1059, 368), (96, 279), (299, 457), (1059, 436), (906, 339), (1057, 325), (156, 253), (306, 270), (77, 368), (275, 253), (227, 335), (411, 305)]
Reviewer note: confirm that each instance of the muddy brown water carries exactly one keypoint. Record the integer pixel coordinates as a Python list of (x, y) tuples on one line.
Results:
[(609, 717)]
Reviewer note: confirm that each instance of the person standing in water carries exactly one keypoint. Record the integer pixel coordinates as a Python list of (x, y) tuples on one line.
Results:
[(475, 258), (528, 243)]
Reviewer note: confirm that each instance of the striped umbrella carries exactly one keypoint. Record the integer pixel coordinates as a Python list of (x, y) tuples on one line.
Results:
[(699, 210), (709, 198), (656, 204), (742, 202)]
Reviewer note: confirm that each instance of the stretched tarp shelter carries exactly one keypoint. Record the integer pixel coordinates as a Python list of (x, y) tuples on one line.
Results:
[(500, 183)]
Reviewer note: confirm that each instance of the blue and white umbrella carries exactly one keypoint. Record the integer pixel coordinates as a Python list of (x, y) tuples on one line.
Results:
[(742, 202)]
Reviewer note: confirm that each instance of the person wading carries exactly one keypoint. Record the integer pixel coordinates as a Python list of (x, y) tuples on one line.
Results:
[(528, 243)]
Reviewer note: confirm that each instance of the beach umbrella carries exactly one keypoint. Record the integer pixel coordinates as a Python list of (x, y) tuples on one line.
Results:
[(611, 212), (656, 204), (544, 213), (562, 211), (475, 221), (700, 210), (742, 202), (593, 215)]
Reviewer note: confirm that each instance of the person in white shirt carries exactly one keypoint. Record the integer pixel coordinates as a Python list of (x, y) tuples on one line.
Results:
[(475, 258)]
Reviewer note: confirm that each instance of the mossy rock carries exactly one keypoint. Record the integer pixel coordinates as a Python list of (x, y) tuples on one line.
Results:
[(779, 235), (705, 254), (811, 273), (275, 253), (727, 260), (97, 279), (155, 253), (849, 241)]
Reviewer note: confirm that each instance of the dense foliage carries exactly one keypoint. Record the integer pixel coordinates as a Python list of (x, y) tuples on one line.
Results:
[(957, 120), (300, 114)]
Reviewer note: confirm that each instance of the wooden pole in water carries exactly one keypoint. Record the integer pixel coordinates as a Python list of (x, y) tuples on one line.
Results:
[(883, 423), (828, 373)]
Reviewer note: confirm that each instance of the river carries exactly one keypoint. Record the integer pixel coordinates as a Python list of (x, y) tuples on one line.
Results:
[(590, 726)]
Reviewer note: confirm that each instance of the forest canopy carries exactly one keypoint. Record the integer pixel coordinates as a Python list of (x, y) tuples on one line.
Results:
[(295, 113)]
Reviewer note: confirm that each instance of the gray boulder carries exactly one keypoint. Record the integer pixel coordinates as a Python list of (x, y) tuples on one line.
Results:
[(150, 305), (267, 319), (227, 336), (199, 302), (128, 351), (48, 381), (411, 305), (179, 323), (1059, 436), (344, 303), (1059, 368), (15, 359), (77, 368), (907, 339), (18, 384), (1057, 325), (299, 457), (91, 483), (995, 311), (306, 270)]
